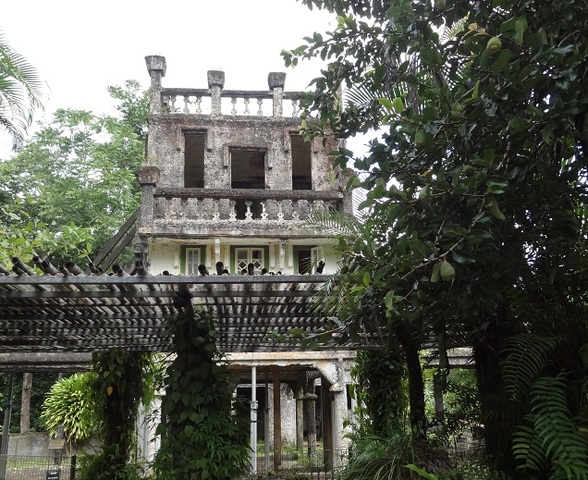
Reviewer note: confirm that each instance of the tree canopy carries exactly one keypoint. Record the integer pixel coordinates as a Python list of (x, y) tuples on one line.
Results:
[(69, 189), (476, 184)]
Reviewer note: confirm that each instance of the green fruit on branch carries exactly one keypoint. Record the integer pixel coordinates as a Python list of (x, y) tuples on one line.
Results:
[(420, 138), (494, 45)]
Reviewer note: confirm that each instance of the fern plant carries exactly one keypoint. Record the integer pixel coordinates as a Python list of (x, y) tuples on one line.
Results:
[(549, 441)]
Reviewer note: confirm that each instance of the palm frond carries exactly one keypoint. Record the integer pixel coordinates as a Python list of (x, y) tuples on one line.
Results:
[(527, 355)]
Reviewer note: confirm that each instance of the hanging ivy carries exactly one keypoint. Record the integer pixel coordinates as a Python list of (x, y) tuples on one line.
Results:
[(201, 436)]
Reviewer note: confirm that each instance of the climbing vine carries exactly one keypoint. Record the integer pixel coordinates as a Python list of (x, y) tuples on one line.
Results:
[(381, 392), (201, 436), (123, 381)]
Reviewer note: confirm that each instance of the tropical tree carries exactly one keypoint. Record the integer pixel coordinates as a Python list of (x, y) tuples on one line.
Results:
[(476, 184), (69, 189), (66, 192), (21, 92)]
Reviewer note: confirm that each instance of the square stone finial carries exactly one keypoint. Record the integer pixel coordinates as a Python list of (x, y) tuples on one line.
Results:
[(156, 63), (276, 80), (216, 78)]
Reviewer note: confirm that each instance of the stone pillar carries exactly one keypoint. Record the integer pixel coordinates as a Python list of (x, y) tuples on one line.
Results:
[(299, 419), (339, 414), (276, 82), (310, 404), (327, 414), (277, 420), (253, 423), (148, 178), (438, 382), (156, 66), (216, 82)]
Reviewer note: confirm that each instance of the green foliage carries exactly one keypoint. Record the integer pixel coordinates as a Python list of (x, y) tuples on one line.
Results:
[(550, 441), (122, 382), (380, 392), (200, 436), (21, 91), (70, 404), (475, 184), (385, 458), (74, 184), (527, 356), (42, 382)]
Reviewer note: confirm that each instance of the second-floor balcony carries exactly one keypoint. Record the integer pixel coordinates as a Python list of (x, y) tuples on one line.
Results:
[(214, 210), (235, 205)]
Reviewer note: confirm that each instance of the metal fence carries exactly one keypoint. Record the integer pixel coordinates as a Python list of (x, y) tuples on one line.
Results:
[(19, 467), (300, 464)]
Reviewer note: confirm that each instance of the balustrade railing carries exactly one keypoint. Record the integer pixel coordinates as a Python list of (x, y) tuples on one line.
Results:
[(198, 204), (194, 101)]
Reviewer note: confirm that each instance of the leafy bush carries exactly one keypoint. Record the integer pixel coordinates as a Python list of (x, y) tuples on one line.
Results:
[(71, 403)]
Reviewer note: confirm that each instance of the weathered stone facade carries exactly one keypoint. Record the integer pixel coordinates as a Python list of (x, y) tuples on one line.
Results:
[(229, 178)]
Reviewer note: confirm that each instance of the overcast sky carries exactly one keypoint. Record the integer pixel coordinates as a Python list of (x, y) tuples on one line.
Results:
[(81, 47)]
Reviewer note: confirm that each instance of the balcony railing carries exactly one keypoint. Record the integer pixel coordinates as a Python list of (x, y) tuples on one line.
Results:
[(196, 101), (242, 205)]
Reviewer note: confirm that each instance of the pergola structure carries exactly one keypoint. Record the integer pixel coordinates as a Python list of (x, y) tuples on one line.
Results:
[(86, 313), (55, 321)]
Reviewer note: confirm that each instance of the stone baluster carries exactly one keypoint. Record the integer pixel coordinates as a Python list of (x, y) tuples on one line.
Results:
[(246, 105), (156, 66), (280, 211), (234, 105), (216, 210), (276, 82), (260, 107), (192, 210), (186, 104), (232, 210), (295, 209), (216, 82), (263, 210), (249, 213), (198, 102), (172, 104), (294, 107), (173, 212)]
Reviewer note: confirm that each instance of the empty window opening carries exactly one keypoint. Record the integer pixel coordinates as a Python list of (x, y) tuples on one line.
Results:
[(248, 171), (301, 165), (308, 259), (194, 145), (304, 261)]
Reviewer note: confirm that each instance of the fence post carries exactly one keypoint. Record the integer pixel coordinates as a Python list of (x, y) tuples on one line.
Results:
[(72, 469)]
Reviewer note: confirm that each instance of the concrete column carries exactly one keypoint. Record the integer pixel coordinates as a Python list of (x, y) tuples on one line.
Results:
[(339, 413), (266, 425), (438, 381), (156, 66), (299, 420), (216, 82), (276, 82), (311, 425), (253, 423), (327, 414), (148, 178), (277, 421)]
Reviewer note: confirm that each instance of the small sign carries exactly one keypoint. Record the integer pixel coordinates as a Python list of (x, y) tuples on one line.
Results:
[(56, 443), (53, 474)]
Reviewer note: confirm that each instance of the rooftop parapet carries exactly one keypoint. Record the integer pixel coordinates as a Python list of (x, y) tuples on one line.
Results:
[(215, 101)]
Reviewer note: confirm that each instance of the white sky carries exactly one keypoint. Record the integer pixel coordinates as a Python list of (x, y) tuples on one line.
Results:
[(81, 47)]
